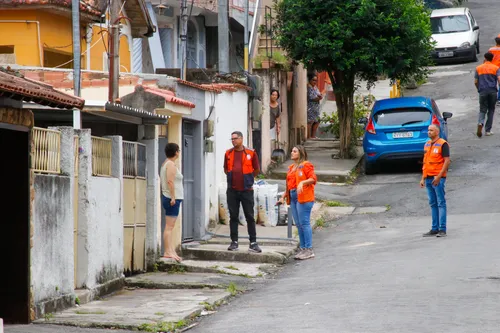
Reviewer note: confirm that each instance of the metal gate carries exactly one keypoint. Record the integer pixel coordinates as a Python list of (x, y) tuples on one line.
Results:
[(134, 206), (188, 171)]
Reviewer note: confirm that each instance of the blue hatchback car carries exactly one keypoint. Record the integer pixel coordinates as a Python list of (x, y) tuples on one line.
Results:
[(397, 129)]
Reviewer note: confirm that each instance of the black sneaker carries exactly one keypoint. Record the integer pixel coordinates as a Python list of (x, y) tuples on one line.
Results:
[(431, 233), (479, 130), (233, 246), (441, 234), (254, 247)]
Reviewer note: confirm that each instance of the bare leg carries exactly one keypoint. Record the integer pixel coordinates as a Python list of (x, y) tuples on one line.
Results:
[(314, 129), (309, 127), (167, 238)]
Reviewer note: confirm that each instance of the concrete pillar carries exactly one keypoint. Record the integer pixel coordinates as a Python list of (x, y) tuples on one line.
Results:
[(223, 32), (68, 169), (175, 136), (148, 135), (265, 123), (84, 175), (299, 100)]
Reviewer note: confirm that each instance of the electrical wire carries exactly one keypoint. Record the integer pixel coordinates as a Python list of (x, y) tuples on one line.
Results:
[(70, 61)]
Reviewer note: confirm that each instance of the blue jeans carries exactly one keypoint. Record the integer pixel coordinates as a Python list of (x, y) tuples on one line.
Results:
[(437, 202), (498, 95), (302, 216)]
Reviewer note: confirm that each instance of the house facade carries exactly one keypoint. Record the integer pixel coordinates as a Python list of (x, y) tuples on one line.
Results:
[(39, 33)]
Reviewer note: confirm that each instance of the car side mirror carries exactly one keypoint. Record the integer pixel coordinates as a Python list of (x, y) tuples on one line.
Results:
[(363, 121), (447, 115), (475, 28)]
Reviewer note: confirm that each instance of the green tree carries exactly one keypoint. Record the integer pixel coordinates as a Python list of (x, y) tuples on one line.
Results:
[(355, 39)]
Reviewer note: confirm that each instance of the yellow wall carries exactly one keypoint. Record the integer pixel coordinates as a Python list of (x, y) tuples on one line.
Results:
[(56, 36)]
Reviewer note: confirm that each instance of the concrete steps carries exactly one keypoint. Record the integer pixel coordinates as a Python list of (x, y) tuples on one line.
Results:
[(270, 254)]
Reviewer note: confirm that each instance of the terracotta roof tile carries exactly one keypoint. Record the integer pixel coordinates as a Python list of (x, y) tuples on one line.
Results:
[(18, 87), (168, 95), (206, 87), (88, 6)]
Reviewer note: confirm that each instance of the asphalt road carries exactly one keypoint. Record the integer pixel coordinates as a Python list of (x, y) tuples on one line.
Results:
[(375, 273)]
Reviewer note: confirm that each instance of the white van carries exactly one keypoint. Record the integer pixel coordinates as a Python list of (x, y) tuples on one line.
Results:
[(456, 34)]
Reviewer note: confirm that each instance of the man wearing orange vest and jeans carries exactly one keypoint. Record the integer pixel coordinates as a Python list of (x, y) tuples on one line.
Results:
[(487, 77), (241, 165), (436, 162), (495, 50)]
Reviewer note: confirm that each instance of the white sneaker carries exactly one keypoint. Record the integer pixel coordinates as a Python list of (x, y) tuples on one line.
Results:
[(489, 133)]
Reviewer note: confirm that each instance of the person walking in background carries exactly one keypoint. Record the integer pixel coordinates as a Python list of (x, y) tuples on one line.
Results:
[(274, 113), (313, 99), (495, 50), (241, 165), (434, 170), (172, 189), (300, 182), (487, 78)]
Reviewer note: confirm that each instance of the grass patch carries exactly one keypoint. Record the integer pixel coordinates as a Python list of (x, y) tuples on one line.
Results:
[(77, 300), (48, 316), (320, 223), (159, 314), (232, 268), (335, 204), (163, 326), (387, 208), (83, 312), (155, 268), (177, 269), (208, 306), (233, 289)]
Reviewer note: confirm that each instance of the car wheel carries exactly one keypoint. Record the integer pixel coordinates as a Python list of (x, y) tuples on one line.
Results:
[(478, 49), (370, 168)]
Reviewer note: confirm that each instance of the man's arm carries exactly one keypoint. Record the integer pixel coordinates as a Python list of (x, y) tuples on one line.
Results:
[(225, 164), (445, 152), (476, 79), (498, 75), (255, 164)]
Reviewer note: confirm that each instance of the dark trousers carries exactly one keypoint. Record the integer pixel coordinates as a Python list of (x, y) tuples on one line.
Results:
[(234, 198), (487, 107)]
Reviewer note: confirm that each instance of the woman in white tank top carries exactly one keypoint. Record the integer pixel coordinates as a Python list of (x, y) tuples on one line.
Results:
[(172, 194)]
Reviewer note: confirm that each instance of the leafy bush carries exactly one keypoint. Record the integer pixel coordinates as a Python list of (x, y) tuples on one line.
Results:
[(361, 109)]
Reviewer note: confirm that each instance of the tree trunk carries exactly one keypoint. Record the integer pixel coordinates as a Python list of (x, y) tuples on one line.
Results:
[(344, 95)]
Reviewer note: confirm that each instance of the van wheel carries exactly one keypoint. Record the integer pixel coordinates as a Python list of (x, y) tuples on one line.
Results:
[(474, 57), (477, 47), (370, 168)]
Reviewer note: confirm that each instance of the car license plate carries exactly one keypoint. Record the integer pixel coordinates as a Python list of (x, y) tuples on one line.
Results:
[(400, 135), (445, 54)]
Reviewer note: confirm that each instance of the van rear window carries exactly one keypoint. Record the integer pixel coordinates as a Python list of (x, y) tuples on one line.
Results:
[(399, 117)]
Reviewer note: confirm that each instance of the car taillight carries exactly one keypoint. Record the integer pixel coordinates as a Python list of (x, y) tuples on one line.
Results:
[(435, 120), (370, 127)]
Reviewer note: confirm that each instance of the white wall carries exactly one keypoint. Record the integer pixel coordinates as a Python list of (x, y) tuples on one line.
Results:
[(230, 115), (105, 234), (52, 253)]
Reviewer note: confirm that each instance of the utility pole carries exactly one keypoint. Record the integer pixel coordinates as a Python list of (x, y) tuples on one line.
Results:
[(75, 17), (245, 38), (223, 32), (114, 50), (183, 36)]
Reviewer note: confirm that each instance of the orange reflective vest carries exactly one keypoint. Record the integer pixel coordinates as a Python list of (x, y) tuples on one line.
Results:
[(495, 50), (247, 167), (433, 158), (304, 172)]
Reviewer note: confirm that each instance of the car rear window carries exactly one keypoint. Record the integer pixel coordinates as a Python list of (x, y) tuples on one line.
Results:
[(449, 24), (400, 117)]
